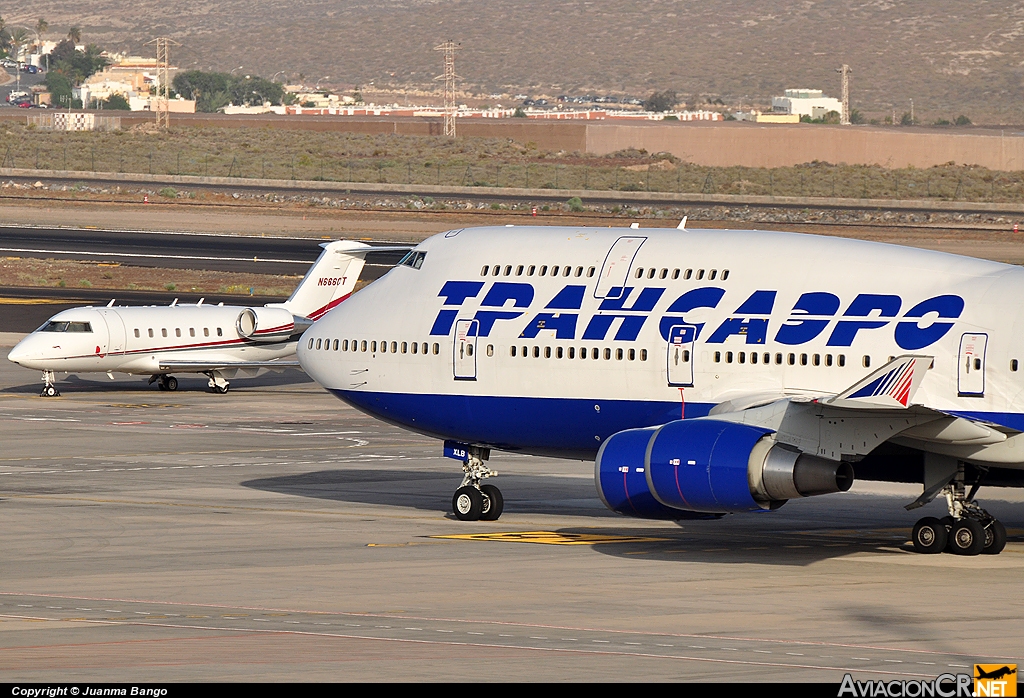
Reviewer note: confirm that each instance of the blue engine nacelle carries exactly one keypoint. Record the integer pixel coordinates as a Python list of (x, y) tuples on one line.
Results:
[(706, 466)]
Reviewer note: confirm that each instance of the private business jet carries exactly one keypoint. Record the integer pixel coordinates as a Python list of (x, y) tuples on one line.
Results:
[(216, 340), (705, 372)]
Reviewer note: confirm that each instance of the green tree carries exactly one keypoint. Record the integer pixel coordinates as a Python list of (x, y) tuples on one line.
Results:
[(856, 117), (59, 86), (114, 102), (906, 119), (661, 101), (74, 35), (962, 121), (519, 113), (41, 26)]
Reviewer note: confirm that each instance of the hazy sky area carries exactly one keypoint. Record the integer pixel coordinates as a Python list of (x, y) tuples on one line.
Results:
[(949, 56)]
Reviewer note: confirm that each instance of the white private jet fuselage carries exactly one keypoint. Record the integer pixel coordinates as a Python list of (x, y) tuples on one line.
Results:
[(656, 351)]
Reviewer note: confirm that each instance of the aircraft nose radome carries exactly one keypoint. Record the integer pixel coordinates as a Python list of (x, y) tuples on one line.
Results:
[(18, 353)]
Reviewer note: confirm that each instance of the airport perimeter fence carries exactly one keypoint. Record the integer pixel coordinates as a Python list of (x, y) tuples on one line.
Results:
[(951, 183)]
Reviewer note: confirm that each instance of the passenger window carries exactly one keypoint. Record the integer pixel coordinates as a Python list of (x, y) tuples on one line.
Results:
[(742, 357), (490, 350), (394, 347), (362, 345), (712, 274), (543, 270), (791, 359), (310, 342), (136, 334), (728, 357), (547, 352), (651, 272), (803, 359), (607, 354), (512, 350), (718, 357), (725, 274), (191, 331), (842, 359), (519, 270), (753, 357), (700, 274), (469, 349), (318, 343), (558, 352), (483, 272), (866, 361), (529, 272), (220, 332), (177, 331), (163, 332), (590, 272), (643, 355), (639, 273), (554, 271), (816, 359), (423, 349), (767, 358), (508, 270), (496, 270), (664, 274), (437, 348), (566, 270), (206, 331), (327, 344), (778, 359), (675, 274), (415, 347), (595, 353), (344, 345), (405, 347), (688, 274), (618, 355), (579, 271), (828, 359), (536, 352), (336, 345), (373, 347), (632, 354), (1013, 364)]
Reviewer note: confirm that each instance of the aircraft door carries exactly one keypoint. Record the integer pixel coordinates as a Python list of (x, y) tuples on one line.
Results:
[(115, 331), (680, 355), (615, 270), (971, 371), (464, 360)]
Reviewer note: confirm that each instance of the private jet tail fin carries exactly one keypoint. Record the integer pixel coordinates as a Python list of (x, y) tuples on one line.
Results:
[(330, 280), (890, 387)]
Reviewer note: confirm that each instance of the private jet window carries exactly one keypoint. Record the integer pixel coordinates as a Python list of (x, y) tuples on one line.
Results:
[(136, 334), (519, 270), (529, 272), (191, 331), (335, 345), (725, 274), (591, 271), (1013, 364), (688, 274), (206, 331), (413, 259), (56, 326), (220, 332), (177, 331), (163, 332)]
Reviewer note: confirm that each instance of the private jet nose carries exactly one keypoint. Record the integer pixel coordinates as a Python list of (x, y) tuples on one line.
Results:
[(22, 351)]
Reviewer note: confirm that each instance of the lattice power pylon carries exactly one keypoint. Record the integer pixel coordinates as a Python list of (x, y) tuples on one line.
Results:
[(449, 48), (163, 71), (845, 72)]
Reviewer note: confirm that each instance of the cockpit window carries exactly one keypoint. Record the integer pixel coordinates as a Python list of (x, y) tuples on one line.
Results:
[(58, 326), (413, 259)]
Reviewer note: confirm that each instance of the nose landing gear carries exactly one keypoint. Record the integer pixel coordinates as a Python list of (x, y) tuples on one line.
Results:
[(49, 385), (968, 530), (473, 501)]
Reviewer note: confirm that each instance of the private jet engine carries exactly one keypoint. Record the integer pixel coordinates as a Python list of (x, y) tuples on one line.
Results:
[(270, 324), (708, 466)]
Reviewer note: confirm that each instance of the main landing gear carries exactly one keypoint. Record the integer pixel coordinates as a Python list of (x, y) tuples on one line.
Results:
[(473, 501), (165, 382), (49, 385), (218, 383), (968, 530)]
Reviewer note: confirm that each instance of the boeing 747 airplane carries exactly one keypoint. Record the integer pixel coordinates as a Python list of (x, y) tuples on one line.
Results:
[(216, 340), (705, 372)]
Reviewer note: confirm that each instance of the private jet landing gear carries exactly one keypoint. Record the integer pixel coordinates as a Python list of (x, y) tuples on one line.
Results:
[(218, 383), (49, 385), (165, 382), (968, 530), (473, 501)]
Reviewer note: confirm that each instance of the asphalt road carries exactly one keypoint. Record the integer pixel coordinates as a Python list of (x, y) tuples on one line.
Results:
[(274, 534), (261, 255)]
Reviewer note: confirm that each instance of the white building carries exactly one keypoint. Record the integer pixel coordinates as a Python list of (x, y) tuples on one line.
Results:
[(801, 102)]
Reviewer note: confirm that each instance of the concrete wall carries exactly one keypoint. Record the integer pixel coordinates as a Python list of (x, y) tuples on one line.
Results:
[(777, 145)]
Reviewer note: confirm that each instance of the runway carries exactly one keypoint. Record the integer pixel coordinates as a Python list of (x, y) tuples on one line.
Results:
[(257, 254), (274, 534)]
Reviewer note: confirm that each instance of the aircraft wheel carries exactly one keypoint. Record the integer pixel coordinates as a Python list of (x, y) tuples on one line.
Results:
[(995, 538), (468, 504), (171, 383), (967, 537), (494, 503), (220, 389), (50, 391), (929, 536), (161, 384)]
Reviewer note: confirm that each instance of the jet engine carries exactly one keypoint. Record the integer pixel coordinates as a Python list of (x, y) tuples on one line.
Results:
[(708, 466), (269, 324)]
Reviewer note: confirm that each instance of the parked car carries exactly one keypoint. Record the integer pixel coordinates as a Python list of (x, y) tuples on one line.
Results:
[(29, 69), (23, 104)]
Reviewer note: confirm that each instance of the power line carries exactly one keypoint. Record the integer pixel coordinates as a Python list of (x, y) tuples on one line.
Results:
[(449, 48), (163, 65)]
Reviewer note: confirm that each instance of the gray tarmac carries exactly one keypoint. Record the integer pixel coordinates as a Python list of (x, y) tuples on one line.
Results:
[(275, 534)]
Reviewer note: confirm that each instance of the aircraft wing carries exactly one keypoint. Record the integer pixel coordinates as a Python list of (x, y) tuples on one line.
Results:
[(193, 366)]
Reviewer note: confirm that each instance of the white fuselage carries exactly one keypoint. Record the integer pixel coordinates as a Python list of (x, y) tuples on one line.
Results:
[(135, 340), (549, 340)]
